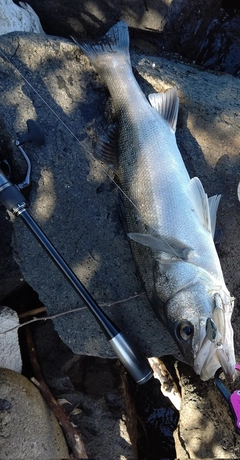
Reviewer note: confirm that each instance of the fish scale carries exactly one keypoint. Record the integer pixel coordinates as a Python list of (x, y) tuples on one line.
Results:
[(170, 219)]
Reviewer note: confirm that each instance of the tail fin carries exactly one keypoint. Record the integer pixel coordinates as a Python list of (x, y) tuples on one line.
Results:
[(115, 41)]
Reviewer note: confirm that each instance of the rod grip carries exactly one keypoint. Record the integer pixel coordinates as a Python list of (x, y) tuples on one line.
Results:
[(10, 195), (136, 364)]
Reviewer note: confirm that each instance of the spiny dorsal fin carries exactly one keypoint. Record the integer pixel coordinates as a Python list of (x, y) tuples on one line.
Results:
[(205, 208), (164, 244), (107, 147), (167, 105)]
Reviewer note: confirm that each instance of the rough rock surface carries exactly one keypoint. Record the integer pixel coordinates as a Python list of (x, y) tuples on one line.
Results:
[(21, 18), (10, 356), (203, 32), (206, 427), (61, 18), (94, 18), (28, 429), (208, 137)]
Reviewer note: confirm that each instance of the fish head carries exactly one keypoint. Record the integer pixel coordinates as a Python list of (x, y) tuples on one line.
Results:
[(199, 320)]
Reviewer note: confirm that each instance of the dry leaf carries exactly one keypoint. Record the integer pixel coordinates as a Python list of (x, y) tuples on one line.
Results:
[(63, 401), (76, 411)]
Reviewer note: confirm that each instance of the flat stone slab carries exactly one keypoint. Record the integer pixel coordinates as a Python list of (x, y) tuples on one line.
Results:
[(75, 202)]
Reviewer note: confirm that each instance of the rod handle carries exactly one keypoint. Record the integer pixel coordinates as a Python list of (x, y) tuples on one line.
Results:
[(10, 195), (136, 364)]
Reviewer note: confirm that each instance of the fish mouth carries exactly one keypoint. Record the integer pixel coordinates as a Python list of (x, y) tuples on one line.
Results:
[(210, 359), (213, 355)]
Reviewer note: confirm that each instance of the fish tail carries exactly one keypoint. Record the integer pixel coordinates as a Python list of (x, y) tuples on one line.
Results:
[(115, 42)]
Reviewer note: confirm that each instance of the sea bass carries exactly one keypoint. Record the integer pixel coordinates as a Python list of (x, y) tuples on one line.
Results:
[(170, 219)]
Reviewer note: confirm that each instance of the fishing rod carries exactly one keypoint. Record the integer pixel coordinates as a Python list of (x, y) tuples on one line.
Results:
[(11, 197)]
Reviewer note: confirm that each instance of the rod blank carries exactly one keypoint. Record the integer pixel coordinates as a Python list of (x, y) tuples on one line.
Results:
[(136, 364)]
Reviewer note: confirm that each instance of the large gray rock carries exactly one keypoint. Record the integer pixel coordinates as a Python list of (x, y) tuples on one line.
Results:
[(28, 429), (21, 18), (74, 201), (176, 17), (61, 18)]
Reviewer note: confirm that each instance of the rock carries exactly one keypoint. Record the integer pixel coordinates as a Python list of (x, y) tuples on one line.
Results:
[(94, 18), (91, 19), (202, 32), (28, 428), (18, 18), (192, 22), (10, 356), (206, 427)]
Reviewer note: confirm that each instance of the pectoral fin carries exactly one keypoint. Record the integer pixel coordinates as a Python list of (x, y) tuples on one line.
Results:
[(163, 244), (107, 147)]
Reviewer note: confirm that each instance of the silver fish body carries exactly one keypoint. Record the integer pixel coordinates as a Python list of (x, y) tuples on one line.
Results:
[(170, 219)]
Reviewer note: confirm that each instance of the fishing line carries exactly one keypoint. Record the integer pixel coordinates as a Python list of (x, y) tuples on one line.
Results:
[(78, 140)]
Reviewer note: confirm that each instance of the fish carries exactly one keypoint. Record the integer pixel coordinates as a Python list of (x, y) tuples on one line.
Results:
[(170, 219)]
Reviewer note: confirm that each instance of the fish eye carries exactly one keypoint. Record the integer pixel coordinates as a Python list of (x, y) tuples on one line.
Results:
[(185, 330)]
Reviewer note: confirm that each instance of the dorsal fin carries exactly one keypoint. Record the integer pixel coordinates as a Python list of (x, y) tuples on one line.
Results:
[(167, 105), (205, 208)]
